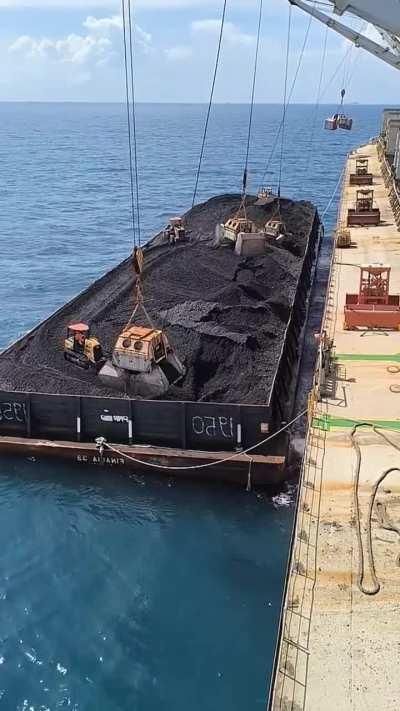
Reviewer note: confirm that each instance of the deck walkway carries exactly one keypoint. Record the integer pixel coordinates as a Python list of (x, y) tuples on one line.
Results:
[(339, 647)]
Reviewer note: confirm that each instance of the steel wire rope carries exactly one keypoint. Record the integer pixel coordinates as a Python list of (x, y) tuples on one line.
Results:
[(276, 139), (283, 122), (317, 102), (133, 95), (128, 120), (339, 66), (253, 92), (207, 121), (353, 59)]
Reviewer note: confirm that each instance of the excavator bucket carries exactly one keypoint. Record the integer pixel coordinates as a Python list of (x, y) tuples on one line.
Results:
[(226, 234), (148, 386), (143, 363)]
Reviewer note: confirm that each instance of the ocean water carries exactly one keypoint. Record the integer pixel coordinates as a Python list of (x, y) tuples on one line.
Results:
[(136, 594)]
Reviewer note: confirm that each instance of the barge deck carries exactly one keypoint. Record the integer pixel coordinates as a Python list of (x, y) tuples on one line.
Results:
[(339, 625)]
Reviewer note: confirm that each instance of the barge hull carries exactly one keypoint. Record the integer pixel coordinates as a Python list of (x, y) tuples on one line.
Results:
[(241, 469)]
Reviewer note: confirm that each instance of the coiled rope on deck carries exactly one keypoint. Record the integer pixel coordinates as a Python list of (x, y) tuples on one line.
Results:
[(370, 553)]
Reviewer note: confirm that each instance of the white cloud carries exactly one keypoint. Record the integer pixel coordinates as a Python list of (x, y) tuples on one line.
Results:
[(75, 49), (179, 53), (103, 24), (232, 33), (101, 43)]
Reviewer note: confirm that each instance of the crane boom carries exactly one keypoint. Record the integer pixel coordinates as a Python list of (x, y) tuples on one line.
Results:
[(360, 40), (385, 15)]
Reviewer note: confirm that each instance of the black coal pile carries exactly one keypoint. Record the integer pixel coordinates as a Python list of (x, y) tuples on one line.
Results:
[(226, 316)]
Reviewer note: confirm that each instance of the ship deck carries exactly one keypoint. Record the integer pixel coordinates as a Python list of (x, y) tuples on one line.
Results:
[(339, 634)]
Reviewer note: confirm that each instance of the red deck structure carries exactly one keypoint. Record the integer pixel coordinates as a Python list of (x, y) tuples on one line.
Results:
[(364, 213), (361, 175), (373, 306)]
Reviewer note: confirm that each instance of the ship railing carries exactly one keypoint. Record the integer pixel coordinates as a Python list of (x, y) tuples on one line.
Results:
[(390, 181)]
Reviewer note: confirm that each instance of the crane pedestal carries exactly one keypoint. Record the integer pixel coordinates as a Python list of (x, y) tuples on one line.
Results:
[(364, 213), (361, 175), (373, 306)]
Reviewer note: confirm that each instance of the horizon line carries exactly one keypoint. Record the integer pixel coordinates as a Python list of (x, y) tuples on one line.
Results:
[(184, 103)]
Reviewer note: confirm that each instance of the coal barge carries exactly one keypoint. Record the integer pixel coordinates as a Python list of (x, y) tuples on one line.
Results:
[(236, 322)]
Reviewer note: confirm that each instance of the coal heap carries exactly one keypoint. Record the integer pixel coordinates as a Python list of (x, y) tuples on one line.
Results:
[(225, 315)]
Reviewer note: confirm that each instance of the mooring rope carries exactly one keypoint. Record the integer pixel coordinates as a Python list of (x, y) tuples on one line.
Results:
[(102, 442)]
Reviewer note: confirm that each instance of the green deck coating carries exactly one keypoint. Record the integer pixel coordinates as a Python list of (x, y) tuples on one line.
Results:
[(394, 358), (327, 422)]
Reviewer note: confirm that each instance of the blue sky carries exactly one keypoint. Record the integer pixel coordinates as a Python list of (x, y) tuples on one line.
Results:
[(72, 50)]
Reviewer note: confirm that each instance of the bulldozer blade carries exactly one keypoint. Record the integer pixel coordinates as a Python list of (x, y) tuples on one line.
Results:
[(77, 359)]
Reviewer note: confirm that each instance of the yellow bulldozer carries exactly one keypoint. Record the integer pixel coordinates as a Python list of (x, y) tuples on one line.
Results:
[(81, 348), (175, 231)]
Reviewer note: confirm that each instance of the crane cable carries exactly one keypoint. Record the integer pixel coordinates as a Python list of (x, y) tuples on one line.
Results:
[(342, 61), (131, 38), (317, 102), (276, 139), (131, 169), (203, 144), (253, 91), (285, 98)]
